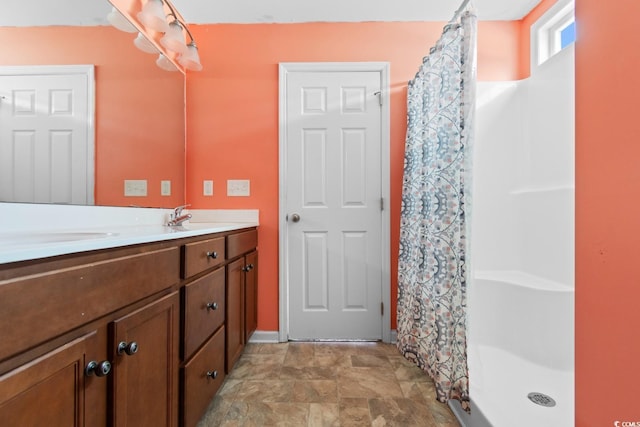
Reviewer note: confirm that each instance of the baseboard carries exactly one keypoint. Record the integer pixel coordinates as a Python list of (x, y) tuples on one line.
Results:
[(264, 337), (274, 337)]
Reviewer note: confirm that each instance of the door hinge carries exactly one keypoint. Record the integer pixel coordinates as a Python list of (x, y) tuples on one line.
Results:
[(381, 309), (379, 94), (381, 203)]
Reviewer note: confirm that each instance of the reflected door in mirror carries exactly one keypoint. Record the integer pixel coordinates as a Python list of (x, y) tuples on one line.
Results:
[(46, 134)]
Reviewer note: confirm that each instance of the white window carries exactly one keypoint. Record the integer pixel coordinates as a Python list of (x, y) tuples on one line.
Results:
[(554, 31)]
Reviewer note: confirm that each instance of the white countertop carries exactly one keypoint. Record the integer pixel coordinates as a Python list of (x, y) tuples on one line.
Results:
[(22, 246), (32, 231)]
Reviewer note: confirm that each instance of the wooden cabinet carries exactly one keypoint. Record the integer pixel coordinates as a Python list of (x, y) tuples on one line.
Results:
[(242, 315), (203, 343), (60, 295), (213, 339), (235, 309), (133, 336), (53, 389), (242, 305), (144, 350), (251, 295)]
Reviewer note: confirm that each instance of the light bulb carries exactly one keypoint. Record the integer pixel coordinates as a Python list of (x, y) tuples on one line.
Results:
[(190, 59), (173, 39), (153, 17)]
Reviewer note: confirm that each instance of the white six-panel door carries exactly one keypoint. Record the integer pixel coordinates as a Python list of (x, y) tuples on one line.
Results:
[(332, 200), (46, 134)]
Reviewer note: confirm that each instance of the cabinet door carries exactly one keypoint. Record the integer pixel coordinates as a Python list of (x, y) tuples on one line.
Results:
[(144, 346), (250, 295), (53, 390), (234, 323)]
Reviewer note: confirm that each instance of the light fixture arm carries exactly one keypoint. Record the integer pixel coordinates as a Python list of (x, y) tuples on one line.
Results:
[(182, 24), (175, 17), (188, 32)]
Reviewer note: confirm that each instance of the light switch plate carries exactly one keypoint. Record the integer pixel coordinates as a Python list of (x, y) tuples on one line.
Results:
[(238, 187), (207, 188), (165, 188), (135, 187)]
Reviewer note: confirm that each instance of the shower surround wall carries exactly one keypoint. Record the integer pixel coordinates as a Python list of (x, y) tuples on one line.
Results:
[(521, 299)]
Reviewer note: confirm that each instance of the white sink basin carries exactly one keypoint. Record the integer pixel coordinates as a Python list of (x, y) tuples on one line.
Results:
[(11, 239)]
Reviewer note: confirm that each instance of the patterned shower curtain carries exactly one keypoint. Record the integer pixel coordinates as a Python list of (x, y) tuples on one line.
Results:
[(434, 228)]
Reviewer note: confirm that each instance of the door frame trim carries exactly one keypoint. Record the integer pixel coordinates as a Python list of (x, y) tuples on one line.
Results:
[(284, 69), (83, 70)]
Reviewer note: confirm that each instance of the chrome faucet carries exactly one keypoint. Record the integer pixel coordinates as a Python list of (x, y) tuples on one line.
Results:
[(177, 218)]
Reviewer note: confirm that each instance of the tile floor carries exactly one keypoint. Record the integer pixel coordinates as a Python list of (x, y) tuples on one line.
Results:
[(326, 384)]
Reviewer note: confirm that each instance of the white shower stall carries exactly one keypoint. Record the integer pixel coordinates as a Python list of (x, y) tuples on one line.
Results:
[(521, 292)]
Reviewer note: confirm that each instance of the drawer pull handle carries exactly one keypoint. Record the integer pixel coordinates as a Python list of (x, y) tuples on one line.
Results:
[(212, 306), (130, 349), (212, 374), (213, 255), (99, 369), (247, 268)]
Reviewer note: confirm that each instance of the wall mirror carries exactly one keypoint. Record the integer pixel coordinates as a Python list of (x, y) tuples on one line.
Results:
[(139, 114)]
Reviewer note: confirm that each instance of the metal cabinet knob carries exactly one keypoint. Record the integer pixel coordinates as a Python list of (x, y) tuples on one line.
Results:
[(212, 374), (295, 217), (130, 348), (212, 306), (99, 369), (213, 255)]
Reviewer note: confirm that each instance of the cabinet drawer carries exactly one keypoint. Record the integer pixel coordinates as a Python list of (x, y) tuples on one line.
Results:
[(49, 303), (240, 243), (200, 256), (199, 387), (204, 309)]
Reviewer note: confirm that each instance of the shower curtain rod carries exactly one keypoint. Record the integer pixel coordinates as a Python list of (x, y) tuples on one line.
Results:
[(460, 10)]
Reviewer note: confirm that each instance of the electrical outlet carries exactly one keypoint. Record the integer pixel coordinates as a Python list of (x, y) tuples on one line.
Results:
[(135, 187), (165, 188), (207, 188), (238, 187)]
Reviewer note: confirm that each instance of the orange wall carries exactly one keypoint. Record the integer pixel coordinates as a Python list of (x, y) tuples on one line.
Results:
[(139, 107), (232, 109), (524, 50), (607, 221)]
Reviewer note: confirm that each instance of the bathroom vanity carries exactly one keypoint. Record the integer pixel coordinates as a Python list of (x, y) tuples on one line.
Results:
[(135, 334)]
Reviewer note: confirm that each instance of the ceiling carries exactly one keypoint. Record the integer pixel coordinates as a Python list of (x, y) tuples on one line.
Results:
[(93, 12)]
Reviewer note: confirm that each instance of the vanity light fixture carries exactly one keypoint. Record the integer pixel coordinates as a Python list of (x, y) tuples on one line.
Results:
[(155, 20), (187, 53)]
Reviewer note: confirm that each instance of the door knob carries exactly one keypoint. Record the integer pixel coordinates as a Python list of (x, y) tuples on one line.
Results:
[(99, 369), (295, 217), (129, 348)]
